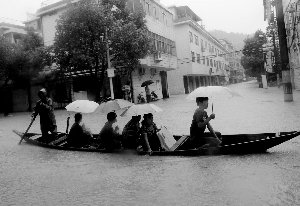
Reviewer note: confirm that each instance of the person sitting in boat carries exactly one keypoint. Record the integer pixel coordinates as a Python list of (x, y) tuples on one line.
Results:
[(44, 107), (109, 135), (131, 132), (78, 136), (148, 134), (201, 121)]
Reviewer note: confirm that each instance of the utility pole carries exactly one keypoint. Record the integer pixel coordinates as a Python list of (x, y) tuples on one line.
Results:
[(286, 75), (110, 71)]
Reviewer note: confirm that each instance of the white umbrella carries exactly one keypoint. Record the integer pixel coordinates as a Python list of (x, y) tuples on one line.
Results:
[(82, 106), (114, 105), (212, 92), (140, 109)]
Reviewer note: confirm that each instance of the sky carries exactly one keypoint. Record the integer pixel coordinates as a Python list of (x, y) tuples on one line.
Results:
[(242, 16)]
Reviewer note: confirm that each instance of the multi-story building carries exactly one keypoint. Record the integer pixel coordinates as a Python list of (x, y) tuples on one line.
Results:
[(12, 32), (292, 25), (235, 68), (154, 67), (200, 62)]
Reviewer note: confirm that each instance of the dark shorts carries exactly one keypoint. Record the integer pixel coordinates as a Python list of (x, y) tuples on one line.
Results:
[(205, 138)]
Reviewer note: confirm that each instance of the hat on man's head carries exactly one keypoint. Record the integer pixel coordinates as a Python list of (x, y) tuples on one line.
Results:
[(201, 99), (42, 91)]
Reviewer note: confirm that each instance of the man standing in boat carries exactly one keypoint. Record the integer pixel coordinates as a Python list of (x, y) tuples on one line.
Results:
[(44, 107), (199, 123)]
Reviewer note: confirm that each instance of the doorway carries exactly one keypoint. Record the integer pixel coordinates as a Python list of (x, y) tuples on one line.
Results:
[(164, 84)]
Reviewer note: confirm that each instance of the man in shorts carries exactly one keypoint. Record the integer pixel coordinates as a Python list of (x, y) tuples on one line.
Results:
[(200, 122)]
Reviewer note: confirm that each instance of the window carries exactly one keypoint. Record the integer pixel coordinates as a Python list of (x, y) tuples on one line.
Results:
[(198, 58), (203, 60), (201, 45), (207, 61), (154, 12), (191, 37), (211, 62), (196, 40), (164, 17), (193, 56), (215, 63), (148, 7)]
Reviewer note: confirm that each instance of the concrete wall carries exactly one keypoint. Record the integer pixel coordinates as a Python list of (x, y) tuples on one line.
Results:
[(49, 22)]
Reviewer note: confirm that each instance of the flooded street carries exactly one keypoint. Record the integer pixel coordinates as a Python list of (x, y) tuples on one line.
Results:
[(32, 175)]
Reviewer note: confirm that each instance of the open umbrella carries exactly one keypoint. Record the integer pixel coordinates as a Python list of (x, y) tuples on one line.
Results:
[(213, 92), (146, 83), (114, 105), (82, 106), (140, 109)]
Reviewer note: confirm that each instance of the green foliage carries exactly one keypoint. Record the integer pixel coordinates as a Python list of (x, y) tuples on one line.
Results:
[(80, 41), (253, 59), (23, 61), (6, 49), (272, 34)]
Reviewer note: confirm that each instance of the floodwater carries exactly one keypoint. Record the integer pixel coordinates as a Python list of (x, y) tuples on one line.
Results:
[(32, 175)]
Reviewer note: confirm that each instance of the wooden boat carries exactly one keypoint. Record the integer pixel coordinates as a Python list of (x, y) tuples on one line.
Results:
[(231, 144)]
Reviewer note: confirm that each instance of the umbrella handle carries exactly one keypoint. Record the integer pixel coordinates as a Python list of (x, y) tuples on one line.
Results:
[(212, 107)]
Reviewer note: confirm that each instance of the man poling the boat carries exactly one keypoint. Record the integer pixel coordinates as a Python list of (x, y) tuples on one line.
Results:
[(44, 107), (200, 122)]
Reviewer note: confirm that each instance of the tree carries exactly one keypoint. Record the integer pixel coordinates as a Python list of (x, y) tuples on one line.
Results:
[(84, 29), (253, 59), (27, 59), (6, 50), (272, 33)]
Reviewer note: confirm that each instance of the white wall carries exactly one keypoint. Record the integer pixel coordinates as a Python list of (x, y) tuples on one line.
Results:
[(48, 26)]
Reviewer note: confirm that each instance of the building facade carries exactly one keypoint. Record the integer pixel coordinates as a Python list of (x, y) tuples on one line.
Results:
[(154, 67), (157, 66), (12, 32), (200, 62), (233, 57), (291, 10)]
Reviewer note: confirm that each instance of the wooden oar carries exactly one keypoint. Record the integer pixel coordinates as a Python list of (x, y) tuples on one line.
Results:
[(32, 120), (212, 131)]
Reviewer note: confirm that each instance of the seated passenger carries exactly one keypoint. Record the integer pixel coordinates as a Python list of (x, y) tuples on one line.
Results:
[(200, 121), (109, 135), (78, 136), (131, 132), (148, 134)]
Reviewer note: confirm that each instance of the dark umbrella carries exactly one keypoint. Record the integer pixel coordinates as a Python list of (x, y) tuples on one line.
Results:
[(146, 83)]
